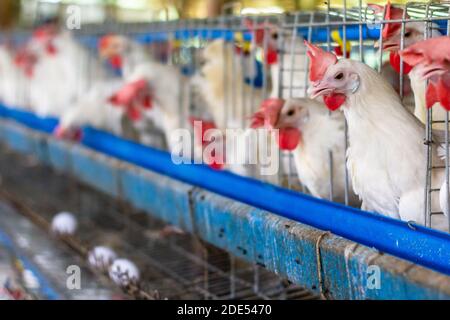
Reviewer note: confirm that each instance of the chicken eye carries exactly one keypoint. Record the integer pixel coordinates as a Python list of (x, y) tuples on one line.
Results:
[(290, 113), (339, 76), (275, 36), (408, 34)]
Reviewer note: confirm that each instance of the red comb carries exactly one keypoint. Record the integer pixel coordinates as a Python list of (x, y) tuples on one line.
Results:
[(257, 120), (104, 41), (257, 29), (431, 50), (267, 115), (443, 90), (376, 7), (392, 14), (129, 92), (320, 61), (44, 32)]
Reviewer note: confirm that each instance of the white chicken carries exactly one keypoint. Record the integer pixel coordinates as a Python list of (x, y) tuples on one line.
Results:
[(431, 60), (229, 98), (93, 109), (413, 33), (15, 69), (301, 123), (152, 91), (286, 60), (386, 157), (64, 71), (227, 94)]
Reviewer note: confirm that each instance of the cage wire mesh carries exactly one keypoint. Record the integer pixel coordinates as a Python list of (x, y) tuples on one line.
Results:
[(246, 79), (290, 83), (174, 265)]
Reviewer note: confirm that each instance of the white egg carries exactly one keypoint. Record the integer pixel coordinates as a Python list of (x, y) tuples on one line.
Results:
[(64, 223), (101, 257), (124, 272)]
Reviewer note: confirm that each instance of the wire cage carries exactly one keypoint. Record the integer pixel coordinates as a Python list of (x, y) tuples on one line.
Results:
[(350, 32), (227, 67)]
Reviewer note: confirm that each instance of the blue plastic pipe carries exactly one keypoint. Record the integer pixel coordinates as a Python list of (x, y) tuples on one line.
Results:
[(318, 34), (420, 245)]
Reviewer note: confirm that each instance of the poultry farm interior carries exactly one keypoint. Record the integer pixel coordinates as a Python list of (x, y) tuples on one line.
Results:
[(252, 156)]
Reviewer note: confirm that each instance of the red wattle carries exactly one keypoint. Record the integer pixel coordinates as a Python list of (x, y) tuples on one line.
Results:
[(394, 60), (215, 162), (272, 57), (133, 113), (78, 135), (68, 134), (288, 138), (51, 49), (29, 72), (431, 95), (206, 125), (147, 102), (443, 91), (116, 61), (216, 166), (334, 101)]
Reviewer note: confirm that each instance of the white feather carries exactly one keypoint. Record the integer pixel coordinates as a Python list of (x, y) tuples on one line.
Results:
[(322, 133), (386, 158)]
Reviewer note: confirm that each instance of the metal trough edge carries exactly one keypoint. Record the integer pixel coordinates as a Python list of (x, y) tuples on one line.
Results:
[(318, 260)]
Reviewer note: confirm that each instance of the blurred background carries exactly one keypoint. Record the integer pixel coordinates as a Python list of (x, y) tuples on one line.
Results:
[(27, 12)]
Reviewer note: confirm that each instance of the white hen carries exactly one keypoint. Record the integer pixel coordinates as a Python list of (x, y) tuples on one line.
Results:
[(14, 75), (230, 99), (163, 84), (413, 33), (64, 72), (386, 158), (311, 133)]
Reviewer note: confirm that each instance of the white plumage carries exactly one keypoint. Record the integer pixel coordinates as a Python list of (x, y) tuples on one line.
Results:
[(94, 109), (62, 77), (386, 156), (167, 86), (294, 63), (13, 81), (312, 155), (300, 123), (414, 33), (228, 98)]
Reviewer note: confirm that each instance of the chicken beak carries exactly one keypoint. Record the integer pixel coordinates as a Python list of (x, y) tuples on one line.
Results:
[(432, 70), (268, 114), (322, 88), (390, 44), (105, 49), (105, 53)]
